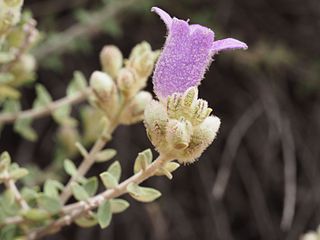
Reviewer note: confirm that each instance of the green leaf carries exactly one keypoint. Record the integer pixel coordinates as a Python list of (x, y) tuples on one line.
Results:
[(77, 84), (9, 197), (168, 169), (118, 205), (8, 232), (115, 170), (143, 194), (6, 78), (82, 15), (51, 188), (62, 116), (83, 151), (69, 167), (105, 155), (29, 194), (19, 173), (5, 161), (91, 186), (79, 192), (36, 214), (86, 222), (104, 214), (23, 127), (108, 180), (52, 205), (43, 97), (143, 160), (171, 166), (11, 106)]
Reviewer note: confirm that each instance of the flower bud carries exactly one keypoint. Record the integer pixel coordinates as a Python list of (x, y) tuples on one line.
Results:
[(139, 49), (142, 59), (134, 112), (13, 3), (105, 93), (23, 70), (126, 80), (111, 60), (310, 236), (155, 121), (179, 133), (203, 135)]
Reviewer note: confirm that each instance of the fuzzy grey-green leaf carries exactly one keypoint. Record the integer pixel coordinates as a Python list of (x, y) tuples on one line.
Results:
[(104, 214), (51, 188), (143, 160), (86, 222), (91, 186), (115, 170), (143, 194), (69, 167), (79, 192), (48, 203), (105, 155), (36, 214), (118, 205), (109, 181), (77, 84)]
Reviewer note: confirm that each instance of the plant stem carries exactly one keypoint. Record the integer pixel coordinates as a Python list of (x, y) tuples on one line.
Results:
[(88, 29), (10, 184), (84, 206), (46, 110), (11, 220), (86, 164), (89, 159)]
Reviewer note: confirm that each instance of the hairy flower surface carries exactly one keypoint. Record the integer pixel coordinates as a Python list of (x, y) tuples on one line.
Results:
[(187, 53)]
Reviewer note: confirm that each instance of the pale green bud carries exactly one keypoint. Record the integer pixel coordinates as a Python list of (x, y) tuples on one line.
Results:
[(155, 121), (310, 236), (179, 133), (134, 112), (126, 80), (203, 135), (23, 70), (105, 93), (142, 59), (111, 60), (140, 49)]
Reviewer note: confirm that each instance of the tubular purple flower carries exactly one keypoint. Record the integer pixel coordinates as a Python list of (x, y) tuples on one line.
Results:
[(187, 53)]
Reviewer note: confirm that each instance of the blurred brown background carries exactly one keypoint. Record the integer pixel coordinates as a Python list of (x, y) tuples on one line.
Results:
[(260, 179)]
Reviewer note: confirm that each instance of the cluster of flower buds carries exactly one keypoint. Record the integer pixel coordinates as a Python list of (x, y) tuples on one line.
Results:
[(10, 12), (17, 64), (181, 126), (119, 83)]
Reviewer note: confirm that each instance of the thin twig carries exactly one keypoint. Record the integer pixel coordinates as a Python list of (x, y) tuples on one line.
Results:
[(88, 29), (11, 220), (92, 203), (10, 184), (237, 133), (290, 168), (283, 127), (46, 110), (86, 164), (89, 159)]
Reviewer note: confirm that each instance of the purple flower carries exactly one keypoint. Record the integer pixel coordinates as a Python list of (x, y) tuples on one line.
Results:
[(187, 53)]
